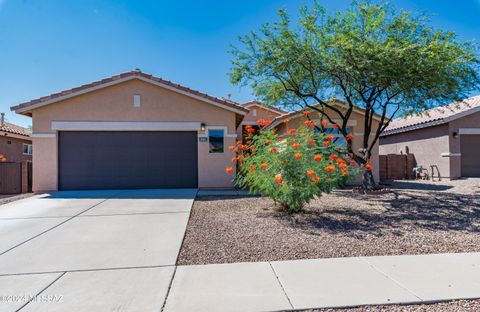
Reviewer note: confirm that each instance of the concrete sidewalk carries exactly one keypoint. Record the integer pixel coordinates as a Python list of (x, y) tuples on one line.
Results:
[(320, 283)]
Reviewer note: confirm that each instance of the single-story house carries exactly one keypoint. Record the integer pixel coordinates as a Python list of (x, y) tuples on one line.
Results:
[(15, 158), (15, 142), (446, 137), (132, 130), (355, 125)]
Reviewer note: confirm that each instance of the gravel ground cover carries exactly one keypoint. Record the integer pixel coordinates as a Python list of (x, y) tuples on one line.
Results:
[(416, 217), (451, 306)]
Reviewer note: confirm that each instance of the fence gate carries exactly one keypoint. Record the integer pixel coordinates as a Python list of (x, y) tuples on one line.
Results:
[(10, 178)]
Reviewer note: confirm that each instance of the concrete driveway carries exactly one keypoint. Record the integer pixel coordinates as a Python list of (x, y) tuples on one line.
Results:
[(91, 250)]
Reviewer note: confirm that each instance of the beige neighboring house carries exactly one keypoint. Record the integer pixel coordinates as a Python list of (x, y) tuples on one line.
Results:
[(257, 110), (446, 137), (132, 130), (15, 142), (355, 125)]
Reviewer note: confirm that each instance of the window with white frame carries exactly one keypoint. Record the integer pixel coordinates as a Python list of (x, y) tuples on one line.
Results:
[(216, 141), (27, 149)]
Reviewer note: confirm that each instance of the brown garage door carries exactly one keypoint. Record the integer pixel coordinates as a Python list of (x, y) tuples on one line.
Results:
[(122, 160), (470, 159)]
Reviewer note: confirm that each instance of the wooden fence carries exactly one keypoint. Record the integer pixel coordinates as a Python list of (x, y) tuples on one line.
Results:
[(10, 178), (15, 178), (397, 167)]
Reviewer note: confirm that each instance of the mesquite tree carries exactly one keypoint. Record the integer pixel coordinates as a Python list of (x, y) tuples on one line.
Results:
[(370, 56)]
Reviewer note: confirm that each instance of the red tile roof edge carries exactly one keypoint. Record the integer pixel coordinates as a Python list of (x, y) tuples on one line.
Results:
[(14, 129)]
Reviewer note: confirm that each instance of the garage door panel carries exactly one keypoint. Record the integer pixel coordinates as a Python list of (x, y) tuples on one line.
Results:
[(470, 159), (103, 160)]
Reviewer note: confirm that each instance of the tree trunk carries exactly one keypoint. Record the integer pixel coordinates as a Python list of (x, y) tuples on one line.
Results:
[(368, 181)]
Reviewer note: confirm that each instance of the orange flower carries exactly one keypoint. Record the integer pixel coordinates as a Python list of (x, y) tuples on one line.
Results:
[(272, 150), (330, 168), (229, 170), (310, 140), (329, 137), (263, 122), (278, 179), (231, 148), (310, 173), (317, 157), (279, 139), (250, 130), (286, 121), (291, 131), (252, 168), (315, 179), (252, 148), (239, 157), (297, 155), (352, 162), (309, 123), (333, 156), (234, 160), (295, 145), (324, 123), (335, 126), (306, 113), (345, 172), (326, 143), (264, 165), (343, 166), (368, 167), (349, 137)]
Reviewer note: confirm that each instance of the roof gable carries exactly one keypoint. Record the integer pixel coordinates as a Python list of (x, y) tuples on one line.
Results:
[(265, 107), (25, 108)]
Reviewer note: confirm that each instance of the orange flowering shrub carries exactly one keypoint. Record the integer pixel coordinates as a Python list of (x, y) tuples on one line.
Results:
[(292, 169)]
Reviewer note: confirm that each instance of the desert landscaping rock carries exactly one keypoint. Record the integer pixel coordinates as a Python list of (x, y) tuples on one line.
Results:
[(417, 217), (451, 306)]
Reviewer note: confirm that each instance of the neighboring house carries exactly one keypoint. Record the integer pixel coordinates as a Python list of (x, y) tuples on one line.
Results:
[(257, 110), (132, 130), (355, 125), (446, 137), (15, 142)]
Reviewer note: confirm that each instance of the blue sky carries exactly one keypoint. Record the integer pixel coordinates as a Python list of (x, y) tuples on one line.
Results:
[(51, 45)]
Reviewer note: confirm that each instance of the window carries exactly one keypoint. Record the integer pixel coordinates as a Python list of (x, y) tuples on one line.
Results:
[(27, 149), (215, 139), (339, 140)]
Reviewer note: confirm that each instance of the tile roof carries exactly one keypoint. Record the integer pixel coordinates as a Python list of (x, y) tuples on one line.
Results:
[(131, 74), (14, 129), (434, 116)]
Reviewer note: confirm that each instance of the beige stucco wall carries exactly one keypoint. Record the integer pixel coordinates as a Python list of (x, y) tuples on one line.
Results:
[(356, 125), (115, 103), (425, 144), (13, 151)]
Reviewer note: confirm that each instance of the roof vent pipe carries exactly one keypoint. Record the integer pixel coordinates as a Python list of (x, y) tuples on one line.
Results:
[(2, 119)]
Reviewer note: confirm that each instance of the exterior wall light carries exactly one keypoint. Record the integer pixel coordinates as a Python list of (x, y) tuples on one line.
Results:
[(202, 127), (455, 135)]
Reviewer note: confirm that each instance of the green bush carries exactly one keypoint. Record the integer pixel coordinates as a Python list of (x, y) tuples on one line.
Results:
[(291, 169)]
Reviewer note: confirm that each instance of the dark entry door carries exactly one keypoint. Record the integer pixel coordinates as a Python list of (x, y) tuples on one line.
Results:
[(470, 159), (122, 160)]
